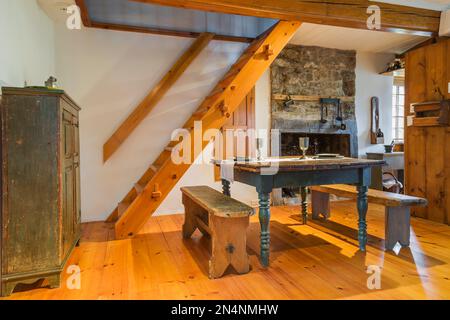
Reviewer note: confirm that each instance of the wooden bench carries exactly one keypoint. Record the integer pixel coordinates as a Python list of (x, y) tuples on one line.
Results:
[(397, 213), (225, 220)]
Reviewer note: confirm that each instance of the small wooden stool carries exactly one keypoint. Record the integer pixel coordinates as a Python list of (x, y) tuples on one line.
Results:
[(225, 220)]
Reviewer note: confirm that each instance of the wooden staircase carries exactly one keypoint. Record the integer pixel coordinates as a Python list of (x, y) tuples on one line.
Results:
[(160, 178)]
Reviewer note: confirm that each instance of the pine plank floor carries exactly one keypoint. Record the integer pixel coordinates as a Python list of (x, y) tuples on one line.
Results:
[(317, 261)]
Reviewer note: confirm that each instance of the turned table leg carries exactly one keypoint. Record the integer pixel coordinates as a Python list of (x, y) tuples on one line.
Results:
[(226, 189), (304, 205), (264, 220), (362, 205)]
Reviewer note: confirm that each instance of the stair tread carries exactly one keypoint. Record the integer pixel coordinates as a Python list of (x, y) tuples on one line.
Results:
[(201, 111), (139, 188), (122, 207), (155, 168)]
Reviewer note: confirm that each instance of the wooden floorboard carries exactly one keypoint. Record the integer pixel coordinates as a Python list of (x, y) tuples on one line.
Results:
[(317, 261)]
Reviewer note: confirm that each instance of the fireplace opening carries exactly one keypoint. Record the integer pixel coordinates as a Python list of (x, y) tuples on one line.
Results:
[(337, 143), (318, 143)]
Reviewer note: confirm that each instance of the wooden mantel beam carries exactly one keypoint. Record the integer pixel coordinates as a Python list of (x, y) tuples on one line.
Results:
[(343, 13)]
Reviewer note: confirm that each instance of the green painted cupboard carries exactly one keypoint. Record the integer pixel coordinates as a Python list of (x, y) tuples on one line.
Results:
[(40, 179)]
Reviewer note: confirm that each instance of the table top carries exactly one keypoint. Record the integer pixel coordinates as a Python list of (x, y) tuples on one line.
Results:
[(384, 154), (297, 164)]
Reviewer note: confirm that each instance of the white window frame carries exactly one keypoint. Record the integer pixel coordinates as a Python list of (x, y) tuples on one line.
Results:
[(398, 108)]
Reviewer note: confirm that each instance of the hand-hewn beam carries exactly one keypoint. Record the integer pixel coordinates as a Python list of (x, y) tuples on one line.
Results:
[(344, 13), (155, 95), (166, 32)]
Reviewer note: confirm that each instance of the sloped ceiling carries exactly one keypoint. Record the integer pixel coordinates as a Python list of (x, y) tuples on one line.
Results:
[(145, 15), (354, 39), (439, 5)]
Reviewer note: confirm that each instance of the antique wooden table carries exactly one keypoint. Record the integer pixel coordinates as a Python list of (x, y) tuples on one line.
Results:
[(274, 173)]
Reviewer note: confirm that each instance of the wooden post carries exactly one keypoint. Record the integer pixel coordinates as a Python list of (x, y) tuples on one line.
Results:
[(264, 219), (304, 205), (362, 206), (226, 187)]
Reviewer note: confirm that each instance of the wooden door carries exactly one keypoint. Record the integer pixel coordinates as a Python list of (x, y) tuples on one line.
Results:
[(427, 149), (242, 119)]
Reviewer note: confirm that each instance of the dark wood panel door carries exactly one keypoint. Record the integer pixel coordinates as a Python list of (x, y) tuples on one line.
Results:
[(68, 182), (242, 119), (29, 191), (77, 182), (240, 122), (71, 181)]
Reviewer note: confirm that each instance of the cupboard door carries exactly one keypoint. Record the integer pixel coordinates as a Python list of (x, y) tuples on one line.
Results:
[(69, 194), (68, 210), (30, 203), (76, 181), (243, 119)]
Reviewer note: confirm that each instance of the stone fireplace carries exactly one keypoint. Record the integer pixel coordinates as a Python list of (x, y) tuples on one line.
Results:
[(300, 77)]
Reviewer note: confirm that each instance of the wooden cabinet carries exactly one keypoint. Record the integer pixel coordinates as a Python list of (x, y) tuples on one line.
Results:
[(40, 210), (427, 148)]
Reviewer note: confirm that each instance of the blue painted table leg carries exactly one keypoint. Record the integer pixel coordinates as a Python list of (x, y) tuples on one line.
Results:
[(226, 187), (304, 205), (264, 219), (362, 212)]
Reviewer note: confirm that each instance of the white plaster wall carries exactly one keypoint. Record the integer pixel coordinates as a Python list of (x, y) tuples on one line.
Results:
[(369, 84), (27, 44)]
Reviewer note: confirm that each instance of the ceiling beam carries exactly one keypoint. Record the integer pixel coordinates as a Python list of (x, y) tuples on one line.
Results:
[(166, 32), (84, 12), (342, 13)]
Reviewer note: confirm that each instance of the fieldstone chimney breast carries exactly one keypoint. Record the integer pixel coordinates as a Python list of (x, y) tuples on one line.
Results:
[(304, 75)]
